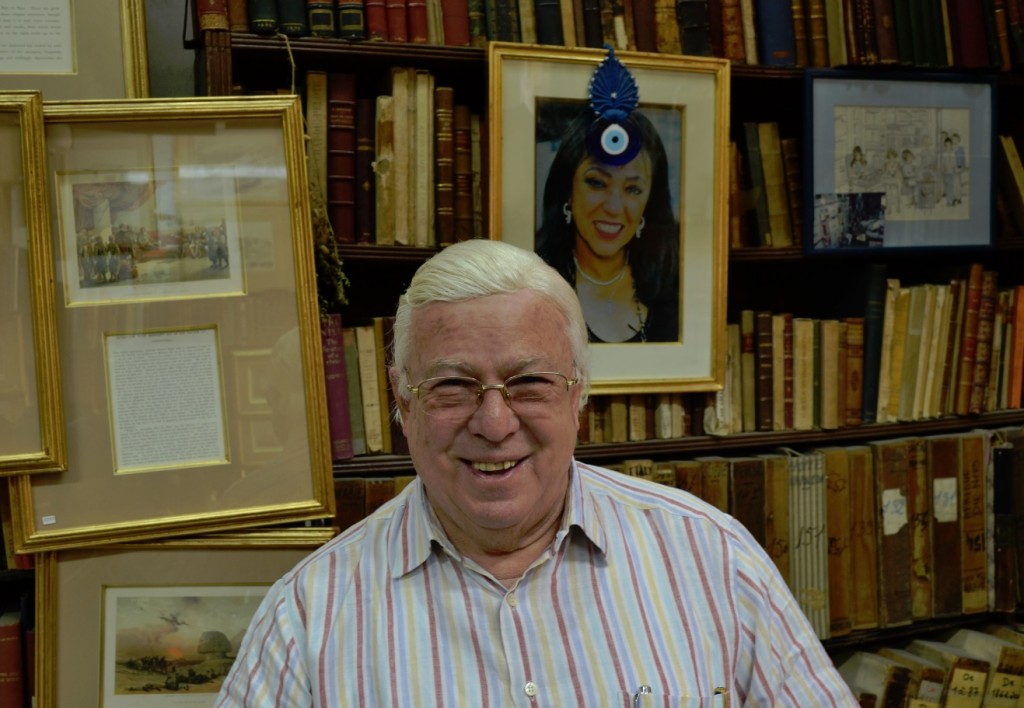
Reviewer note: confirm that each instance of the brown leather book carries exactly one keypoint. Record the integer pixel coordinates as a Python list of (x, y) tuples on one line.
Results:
[(919, 506), (238, 15), (777, 539), (853, 397), (715, 481), (885, 32), (867, 32), (1006, 578), (397, 20), (747, 494), (463, 172), (891, 488), (801, 34), (643, 26), (763, 369), (336, 386), (943, 453), (748, 370), (840, 565), (341, 155), (455, 20), (733, 46), (689, 477), (715, 23), (349, 501), (983, 342), (817, 33), (213, 15), (376, 20), (973, 461), (863, 538), (968, 340), (444, 164)]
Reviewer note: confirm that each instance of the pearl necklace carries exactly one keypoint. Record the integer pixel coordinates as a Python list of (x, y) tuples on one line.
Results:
[(600, 283)]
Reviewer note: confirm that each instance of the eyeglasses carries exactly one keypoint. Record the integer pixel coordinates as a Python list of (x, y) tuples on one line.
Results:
[(458, 397)]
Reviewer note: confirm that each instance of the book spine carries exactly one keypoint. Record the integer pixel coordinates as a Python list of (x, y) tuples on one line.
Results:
[(874, 313), (384, 171), (755, 172), (355, 393), (463, 163), (763, 369), (817, 32), (352, 19), (919, 507), (548, 16), (592, 33), (397, 20), (983, 342), (894, 562), (863, 538), (292, 18), (968, 340), (376, 20), (341, 155), (694, 27), (775, 36), (263, 16), (238, 15), (477, 15), (506, 21), (336, 385), (213, 15), (733, 47), (666, 27), (321, 16), (747, 494), (854, 378), (885, 32), (417, 22), (365, 183), (974, 561), (444, 164)]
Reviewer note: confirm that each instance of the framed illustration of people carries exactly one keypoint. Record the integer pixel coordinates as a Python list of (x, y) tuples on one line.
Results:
[(602, 201), (901, 163)]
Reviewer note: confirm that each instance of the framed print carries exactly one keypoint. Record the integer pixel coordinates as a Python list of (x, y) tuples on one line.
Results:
[(174, 342), (74, 49), (898, 161), (154, 623), (31, 418), (644, 242)]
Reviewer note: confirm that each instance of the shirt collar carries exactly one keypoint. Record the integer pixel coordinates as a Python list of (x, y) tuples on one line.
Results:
[(417, 533)]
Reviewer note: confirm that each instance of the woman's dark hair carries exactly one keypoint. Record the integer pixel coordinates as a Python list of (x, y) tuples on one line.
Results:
[(654, 258)]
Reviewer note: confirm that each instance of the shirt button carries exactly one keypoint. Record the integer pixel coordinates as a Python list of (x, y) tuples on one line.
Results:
[(530, 689), (512, 601)]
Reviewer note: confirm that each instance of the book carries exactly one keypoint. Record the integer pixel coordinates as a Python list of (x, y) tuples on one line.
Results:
[(838, 519), (763, 370), (891, 460), (817, 34), (666, 28), (754, 168), (747, 494), (397, 13), (1005, 660), (967, 21), (373, 416), (263, 16), (973, 559), (694, 27), (455, 22), (951, 367), (317, 130), (943, 454), (477, 140), (801, 33), (794, 189), (885, 347), (365, 187), (403, 89), (636, 417), (927, 677), (1003, 572), (321, 17), (777, 540), (733, 43), (238, 15), (748, 370), (778, 371), (12, 673), (418, 21), (809, 555), (916, 319), (336, 386), (871, 674), (351, 20), (341, 155), (394, 437), (897, 361), (643, 25), (885, 31), (828, 374), (689, 477), (527, 22), (938, 352), (853, 398), (835, 29), (803, 373), (213, 15), (444, 164), (349, 501), (715, 480), (384, 172), (924, 349), (422, 225), (376, 20), (750, 40), (983, 341), (548, 14), (477, 23), (463, 164), (966, 674), (775, 34), (355, 393), (919, 512), (864, 600), (779, 221)]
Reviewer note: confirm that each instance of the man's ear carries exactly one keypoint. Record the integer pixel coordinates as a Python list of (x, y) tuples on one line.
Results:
[(401, 397)]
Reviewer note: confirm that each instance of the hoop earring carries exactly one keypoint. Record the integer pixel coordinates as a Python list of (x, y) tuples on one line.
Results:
[(639, 228), (567, 212)]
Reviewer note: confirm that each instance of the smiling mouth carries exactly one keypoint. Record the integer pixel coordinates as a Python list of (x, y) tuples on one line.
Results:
[(608, 229), (489, 467)]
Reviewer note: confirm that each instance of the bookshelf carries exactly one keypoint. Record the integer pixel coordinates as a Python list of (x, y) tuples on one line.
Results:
[(776, 279)]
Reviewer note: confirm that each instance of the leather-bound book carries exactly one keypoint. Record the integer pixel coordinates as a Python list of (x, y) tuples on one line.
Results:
[(801, 33), (775, 184), (747, 494), (1005, 575), (817, 34), (376, 20), (316, 130), (943, 454), (593, 36), (213, 15), (397, 20), (874, 314), (885, 32), (763, 369), (891, 460), (902, 18), (775, 39), (694, 27), (341, 155), (853, 398), (349, 501), (455, 20), (379, 491), (973, 510), (463, 161), (777, 541), (866, 32), (416, 21), (643, 25), (919, 507), (967, 22), (715, 479), (968, 340), (322, 17), (717, 30), (733, 46), (864, 522), (750, 148), (840, 566), (336, 385), (983, 341), (292, 18), (548, 18), (13, 690), (1015, 30), (238, 15), (355, 393), (477, 15), (352, 19), (666, 27), (748, 369), (505, 24), (263, 16), (366, 121), (444, 164), (384, 171)]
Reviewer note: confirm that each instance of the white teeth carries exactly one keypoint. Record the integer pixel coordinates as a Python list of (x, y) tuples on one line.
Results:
[(494, 466), (609, 228)]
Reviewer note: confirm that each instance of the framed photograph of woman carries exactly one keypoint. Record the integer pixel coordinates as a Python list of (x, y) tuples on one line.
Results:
[(612, 166)]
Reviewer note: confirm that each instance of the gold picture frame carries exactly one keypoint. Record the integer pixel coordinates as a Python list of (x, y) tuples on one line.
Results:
[(31, 418), (92, 602), (98, 47), (154, 407), (533, 90)]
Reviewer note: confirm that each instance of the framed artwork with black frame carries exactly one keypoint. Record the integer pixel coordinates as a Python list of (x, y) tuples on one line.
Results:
[(898, 161)]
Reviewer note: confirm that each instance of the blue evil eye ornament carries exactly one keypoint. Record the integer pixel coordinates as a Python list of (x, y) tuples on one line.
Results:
[(613, 138)]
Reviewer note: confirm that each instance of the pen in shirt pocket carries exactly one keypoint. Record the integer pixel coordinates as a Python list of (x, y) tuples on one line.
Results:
[(719, 699)]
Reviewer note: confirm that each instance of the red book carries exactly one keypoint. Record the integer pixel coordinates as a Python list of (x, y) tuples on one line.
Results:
[(968, 340), (377, 21), (336, 380), (463, 161), (213, 14), (416, 21), (398, 22), (12, 675), (444, 164), (455, 22), (967, 25), (341, 155)]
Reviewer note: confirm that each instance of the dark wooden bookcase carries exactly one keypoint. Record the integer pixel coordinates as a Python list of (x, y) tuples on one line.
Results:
[(774, 279)]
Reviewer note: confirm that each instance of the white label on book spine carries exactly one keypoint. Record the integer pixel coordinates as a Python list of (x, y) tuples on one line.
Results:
[(944, 503), (894, 511)]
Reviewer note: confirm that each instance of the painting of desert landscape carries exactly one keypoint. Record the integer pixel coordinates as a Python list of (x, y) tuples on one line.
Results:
[(172, 641)]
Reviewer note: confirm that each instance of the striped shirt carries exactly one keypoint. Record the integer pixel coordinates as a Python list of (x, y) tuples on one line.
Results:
[(642, 585)]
